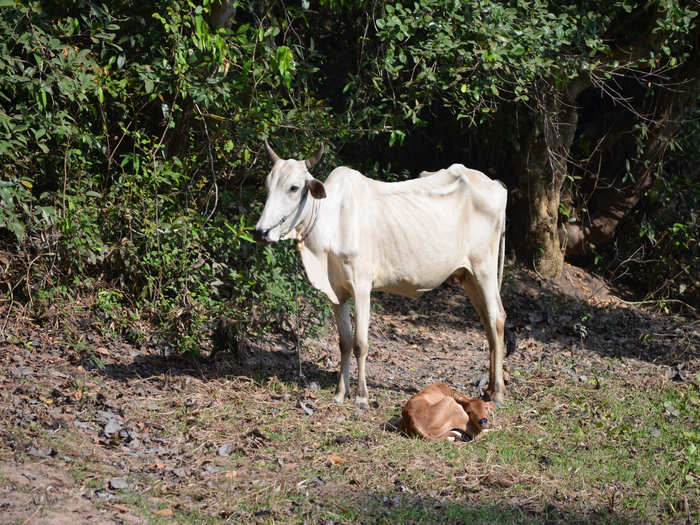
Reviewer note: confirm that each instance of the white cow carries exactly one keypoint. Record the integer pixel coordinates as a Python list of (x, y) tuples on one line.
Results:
[(356, 235)]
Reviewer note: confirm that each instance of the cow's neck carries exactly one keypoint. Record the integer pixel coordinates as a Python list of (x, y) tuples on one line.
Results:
[(308, 217), (308, 222), (313, 245)]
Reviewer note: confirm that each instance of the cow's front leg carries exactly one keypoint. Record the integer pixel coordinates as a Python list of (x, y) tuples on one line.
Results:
[(342, 320), (361, 345)]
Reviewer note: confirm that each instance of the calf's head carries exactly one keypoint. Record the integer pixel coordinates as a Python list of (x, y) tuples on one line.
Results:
[(289, 184), (479, 412)]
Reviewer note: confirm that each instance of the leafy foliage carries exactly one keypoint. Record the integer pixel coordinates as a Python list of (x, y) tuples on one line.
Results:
[(662, 250), (128, 133), (473, 57), (131, 132)]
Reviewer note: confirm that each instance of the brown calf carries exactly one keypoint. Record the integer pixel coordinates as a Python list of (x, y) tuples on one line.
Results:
[(439, 413)]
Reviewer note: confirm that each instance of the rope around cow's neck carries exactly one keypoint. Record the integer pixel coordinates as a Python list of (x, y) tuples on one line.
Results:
[(299, 209), (296, 210), (315, 205)]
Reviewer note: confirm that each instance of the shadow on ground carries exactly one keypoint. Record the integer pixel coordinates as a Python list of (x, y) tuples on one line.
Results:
[(398, 507), (572, 313), (438, 337)]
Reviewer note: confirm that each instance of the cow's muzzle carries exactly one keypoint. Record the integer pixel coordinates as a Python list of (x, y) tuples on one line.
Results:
[(261, 236)]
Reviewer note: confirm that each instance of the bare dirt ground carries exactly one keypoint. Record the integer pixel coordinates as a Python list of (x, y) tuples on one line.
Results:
[(75, 438)]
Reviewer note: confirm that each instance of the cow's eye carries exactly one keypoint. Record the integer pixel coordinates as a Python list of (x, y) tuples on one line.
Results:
[(293, 188)]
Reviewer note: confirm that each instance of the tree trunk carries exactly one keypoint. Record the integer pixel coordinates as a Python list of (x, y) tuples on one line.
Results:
[(542, 247), (545, 164), (611, 205)]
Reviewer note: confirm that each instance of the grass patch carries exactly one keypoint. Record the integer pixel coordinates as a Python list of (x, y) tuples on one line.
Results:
[(604, 451)]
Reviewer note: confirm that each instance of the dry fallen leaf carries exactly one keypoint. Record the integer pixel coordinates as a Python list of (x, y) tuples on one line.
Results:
[(164, 512), (335, 460), (231, 474)]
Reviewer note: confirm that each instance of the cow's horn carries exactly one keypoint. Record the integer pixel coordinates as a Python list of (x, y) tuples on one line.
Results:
[(310, 163), (272, 153)]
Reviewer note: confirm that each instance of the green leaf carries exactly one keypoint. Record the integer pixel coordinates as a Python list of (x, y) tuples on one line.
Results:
[(17, 228)]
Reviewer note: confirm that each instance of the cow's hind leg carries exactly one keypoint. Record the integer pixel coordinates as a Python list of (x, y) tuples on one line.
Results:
[(483, 291), (361, 345), (342, 320)]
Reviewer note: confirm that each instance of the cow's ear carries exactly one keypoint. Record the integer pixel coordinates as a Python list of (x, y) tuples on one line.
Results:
[(316, 188)]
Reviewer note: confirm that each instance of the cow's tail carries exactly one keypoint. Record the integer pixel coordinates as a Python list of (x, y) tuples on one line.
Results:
[(510, 340), (502, 242)]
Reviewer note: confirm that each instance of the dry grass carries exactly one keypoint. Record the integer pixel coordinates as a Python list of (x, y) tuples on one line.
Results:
[(583, 437)]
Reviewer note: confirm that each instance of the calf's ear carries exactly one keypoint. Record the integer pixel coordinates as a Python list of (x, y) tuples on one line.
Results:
[(315, 186)]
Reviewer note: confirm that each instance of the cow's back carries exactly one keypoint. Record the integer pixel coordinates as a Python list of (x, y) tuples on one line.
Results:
[(408, 237)]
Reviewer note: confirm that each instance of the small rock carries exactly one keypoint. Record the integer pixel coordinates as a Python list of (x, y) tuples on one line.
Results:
[(313, 386), (118, 484), (40, 454), (211, 468), (104, 495), (582, 379), (225, 449), (112, 427)]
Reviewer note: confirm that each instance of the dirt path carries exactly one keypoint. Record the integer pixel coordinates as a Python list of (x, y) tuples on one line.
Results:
[(75, 439)]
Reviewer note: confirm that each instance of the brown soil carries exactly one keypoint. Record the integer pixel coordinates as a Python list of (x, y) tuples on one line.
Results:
[(50, 390)]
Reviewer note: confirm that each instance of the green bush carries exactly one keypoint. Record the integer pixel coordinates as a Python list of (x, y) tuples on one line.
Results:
[(131, 137), (664, 255)]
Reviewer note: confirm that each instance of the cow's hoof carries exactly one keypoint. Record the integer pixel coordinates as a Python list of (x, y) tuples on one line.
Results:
[(497, 399), (338, 399), (361, 403)]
